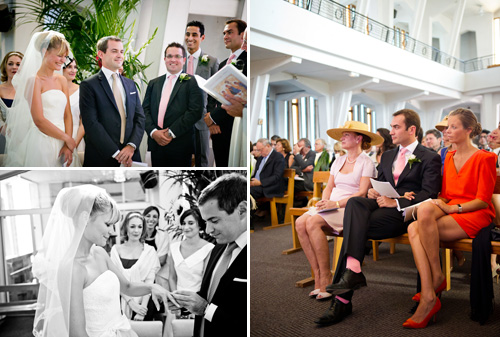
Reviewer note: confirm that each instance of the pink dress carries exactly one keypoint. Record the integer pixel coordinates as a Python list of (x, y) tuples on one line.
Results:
[(345, 186)]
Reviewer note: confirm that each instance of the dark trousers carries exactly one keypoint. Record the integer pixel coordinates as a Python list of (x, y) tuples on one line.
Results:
[(256, 192), (221, 143), (162, 159), (363, 220)]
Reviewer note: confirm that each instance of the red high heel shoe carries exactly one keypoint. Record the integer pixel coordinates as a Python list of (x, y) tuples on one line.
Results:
[(414, 325), (438, 291)]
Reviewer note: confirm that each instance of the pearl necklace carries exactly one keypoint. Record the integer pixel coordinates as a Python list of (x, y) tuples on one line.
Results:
[(351, 162)]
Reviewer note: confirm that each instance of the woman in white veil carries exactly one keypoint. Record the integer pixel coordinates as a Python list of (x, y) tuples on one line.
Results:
[(70, 263), (48, 140)]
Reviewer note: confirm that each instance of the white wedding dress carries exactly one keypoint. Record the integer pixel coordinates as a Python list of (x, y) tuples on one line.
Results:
[(103, 315), (43, 150)]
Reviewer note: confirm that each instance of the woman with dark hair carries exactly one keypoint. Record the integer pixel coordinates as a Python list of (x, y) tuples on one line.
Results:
[(137, 262), (463, 208), (69, 72), (155, 236), (188, 258), (386, 145), (283, 147)]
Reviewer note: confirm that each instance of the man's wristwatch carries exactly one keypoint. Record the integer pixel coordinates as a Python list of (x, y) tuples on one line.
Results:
[(460, 208), (170, 134)]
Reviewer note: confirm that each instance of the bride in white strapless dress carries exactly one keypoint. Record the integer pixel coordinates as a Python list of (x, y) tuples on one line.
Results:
[(43, 150), (79, 293), (39, 127)]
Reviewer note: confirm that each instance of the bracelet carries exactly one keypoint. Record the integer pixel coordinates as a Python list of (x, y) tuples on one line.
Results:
[(460, 208), (338, 205)]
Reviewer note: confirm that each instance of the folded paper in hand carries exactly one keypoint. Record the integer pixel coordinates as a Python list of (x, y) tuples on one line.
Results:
[(314, 210), (384, 188), (410, 212), (227, 80)]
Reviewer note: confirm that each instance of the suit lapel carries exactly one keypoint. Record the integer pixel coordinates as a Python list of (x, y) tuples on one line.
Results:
[(389, 174), (175, 89)]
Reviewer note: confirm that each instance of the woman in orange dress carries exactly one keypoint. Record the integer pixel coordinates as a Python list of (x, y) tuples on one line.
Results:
[(463, 208)]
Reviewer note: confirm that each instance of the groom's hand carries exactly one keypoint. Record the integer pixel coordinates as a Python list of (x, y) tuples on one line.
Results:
[(191, 301), (124, 157)]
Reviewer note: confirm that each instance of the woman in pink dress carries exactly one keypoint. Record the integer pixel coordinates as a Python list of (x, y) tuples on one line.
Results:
[(349, 177)]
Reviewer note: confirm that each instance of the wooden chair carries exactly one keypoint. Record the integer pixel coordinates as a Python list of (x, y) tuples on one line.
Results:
[(319, 178), (286, 199)]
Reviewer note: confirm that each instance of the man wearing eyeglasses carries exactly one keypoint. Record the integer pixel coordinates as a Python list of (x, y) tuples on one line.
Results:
[(172, 105)]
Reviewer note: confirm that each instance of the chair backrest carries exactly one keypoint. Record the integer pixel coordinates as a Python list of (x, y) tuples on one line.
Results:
[(319, 178), (290, 174)]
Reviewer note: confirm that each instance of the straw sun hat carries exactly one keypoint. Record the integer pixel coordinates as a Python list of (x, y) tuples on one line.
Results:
[(443, 124), (354, 126)]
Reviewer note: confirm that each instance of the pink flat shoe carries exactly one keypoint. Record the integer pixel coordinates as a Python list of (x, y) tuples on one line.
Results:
[(314, 293), (323, 296)]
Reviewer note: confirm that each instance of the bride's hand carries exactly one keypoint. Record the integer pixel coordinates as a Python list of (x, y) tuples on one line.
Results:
[(158, 292), (67, 155), (137, 308)]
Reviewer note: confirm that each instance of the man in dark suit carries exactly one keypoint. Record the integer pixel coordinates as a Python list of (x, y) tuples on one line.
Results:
[(173, 103), (267, 180), (221, 304), (303, 163), (408, 168), (111, 111), (204, 65), (218, 120)]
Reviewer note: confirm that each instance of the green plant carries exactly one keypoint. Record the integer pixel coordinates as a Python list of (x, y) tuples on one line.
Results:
[(84, 26)]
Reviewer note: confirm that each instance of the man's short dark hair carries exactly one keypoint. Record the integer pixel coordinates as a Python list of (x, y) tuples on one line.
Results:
[(486, 131), (197, 24), (242, 25), (176, 45), (102, 44), (435, 132), (411, 118), (229, 190), (275, 137)]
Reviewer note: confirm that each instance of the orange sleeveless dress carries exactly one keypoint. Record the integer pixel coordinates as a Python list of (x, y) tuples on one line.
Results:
[(475, 180)]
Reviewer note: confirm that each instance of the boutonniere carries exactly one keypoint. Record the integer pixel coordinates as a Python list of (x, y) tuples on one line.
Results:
[(184, 77), (412, 159), (204, 59)]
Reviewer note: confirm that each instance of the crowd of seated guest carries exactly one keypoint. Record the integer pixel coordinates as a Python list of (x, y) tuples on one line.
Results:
[(418, 168)]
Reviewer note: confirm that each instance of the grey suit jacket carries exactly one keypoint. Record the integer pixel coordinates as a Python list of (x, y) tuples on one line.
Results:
[(205, 70)]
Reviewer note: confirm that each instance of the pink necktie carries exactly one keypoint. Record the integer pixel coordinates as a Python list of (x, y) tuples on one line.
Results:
[(230, 59), (190, 65), (400, 165), (164, 100)]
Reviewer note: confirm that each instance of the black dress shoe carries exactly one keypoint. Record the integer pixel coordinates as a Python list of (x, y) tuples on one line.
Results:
[(336, 313), (349, 281)]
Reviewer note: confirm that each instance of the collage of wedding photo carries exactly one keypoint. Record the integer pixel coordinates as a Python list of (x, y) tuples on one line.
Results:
[(253, 168)]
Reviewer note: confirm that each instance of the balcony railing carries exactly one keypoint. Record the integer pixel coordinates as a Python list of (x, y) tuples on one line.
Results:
[(394, 36)]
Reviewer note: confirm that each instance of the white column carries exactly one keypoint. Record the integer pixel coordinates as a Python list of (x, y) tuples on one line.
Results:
[(143, 25), (418, 19), (457, 23), (488, 117), (177, 15), (260, 86), (363, 6), (325, 117), (341, 104)]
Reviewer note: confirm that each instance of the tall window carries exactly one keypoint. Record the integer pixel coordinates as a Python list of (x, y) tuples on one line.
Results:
[(364, 114)]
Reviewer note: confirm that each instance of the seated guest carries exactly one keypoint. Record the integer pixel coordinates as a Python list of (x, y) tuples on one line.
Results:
[(483, 140), (433, 139), (349, 177), (322, 159), (386, 145), (408, 168), (283, 147), (303, 163), (274, 140), (252, 159), (462, 209), (137, 262), (338, 150), (267, 180)]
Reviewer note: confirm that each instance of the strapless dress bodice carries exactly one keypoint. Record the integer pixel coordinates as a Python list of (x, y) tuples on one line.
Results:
[(54, 102), (101, 300)]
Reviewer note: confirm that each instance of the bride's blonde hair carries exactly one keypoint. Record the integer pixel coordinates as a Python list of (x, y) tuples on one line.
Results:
[(56, 41)]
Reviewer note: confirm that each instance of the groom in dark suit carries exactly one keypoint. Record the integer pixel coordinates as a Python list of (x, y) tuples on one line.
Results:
[(204, 65), (221, 304), (408, 168), (218, 120), (111, 111), (173, 103)]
